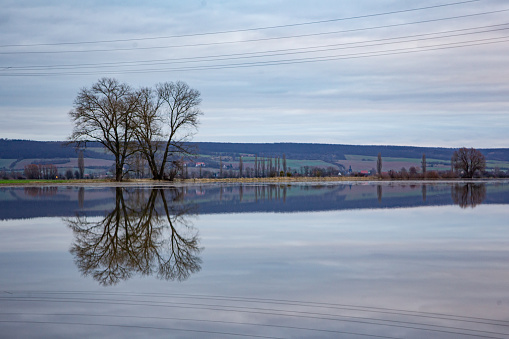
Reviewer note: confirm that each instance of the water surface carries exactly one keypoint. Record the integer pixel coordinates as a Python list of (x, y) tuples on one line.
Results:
[(353, 260)]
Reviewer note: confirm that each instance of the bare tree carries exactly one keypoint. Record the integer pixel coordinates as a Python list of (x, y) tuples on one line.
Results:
[(469, 160), (81, 164), (147, 129), (256, 166), (241, 167), (32, 171), (423, 163), (179, 114), (379, 165), (68, 174), (166, 119), (105, 113)]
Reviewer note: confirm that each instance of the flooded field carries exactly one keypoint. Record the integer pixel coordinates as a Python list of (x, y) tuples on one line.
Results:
[(355, 260)]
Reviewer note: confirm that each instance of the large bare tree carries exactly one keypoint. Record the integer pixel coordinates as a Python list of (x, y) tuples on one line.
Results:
[(468, 160), (148, 128), (166, 119), (105, 113)]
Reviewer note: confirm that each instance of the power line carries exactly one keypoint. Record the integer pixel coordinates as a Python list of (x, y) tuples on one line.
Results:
[(251, 40), (290, 61), (302, 50), (249, 29)]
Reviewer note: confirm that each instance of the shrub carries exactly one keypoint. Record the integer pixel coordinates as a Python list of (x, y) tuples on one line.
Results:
[(433, 175)]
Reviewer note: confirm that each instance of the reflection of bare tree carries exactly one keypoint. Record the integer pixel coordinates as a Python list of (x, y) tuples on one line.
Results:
[(466, 195), (81, 196), (379, 192), (41, 191), (142, 235)]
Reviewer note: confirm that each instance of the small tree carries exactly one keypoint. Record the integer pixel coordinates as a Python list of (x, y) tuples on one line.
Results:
[(412, 172), (81, 165), (68, 174), (423, 163), (256, 166), (379, 165), (469, 160), (241, 166), (404, 173), (32, 171)]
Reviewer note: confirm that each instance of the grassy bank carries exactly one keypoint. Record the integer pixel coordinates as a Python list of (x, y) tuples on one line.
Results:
[(29, 182), (210, 181)]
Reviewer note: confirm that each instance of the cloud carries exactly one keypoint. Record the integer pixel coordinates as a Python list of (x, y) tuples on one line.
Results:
[(438, 97)]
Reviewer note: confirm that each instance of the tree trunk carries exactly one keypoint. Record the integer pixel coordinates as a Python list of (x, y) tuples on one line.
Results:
[(118, 168)]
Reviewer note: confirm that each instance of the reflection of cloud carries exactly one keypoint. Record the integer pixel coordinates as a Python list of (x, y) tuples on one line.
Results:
[(141, 235), (468, 195)]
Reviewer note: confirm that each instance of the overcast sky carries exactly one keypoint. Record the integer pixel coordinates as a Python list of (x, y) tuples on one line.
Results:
[(386, 72)]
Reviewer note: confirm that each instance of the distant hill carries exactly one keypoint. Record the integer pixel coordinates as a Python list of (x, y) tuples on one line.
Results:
[(25, 149), (337, 152), (14, 154)]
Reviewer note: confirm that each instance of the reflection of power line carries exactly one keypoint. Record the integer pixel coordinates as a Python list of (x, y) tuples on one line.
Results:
[(138, 327), (325, 305), (277, 312), (246, 40), (277, 52), (249, 29), (206, 321)]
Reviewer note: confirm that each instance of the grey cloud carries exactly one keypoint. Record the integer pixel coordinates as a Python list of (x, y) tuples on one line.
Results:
[(419, 98)]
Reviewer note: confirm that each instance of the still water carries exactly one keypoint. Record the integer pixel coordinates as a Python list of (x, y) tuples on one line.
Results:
[(352, 260)]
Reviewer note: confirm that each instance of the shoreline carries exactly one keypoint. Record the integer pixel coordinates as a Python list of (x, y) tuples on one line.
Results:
[(261, 181)]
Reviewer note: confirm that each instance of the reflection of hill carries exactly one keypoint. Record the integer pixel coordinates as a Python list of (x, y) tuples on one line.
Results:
[(33, 202), (18, 203)]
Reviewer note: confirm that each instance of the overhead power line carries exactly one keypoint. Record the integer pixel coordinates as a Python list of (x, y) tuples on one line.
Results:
[(471, 43), (281, 52), (249, 29), (252, 40)]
